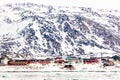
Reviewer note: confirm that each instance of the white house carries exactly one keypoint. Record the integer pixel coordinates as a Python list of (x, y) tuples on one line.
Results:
[(4, 60)]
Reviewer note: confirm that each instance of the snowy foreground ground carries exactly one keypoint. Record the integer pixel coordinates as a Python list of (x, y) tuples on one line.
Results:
[(56, 72), (59, 75)]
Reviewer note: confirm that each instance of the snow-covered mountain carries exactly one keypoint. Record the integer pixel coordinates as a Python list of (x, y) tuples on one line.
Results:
[(30, 29)]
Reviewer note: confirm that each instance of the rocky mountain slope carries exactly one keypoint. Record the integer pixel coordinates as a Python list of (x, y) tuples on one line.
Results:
[(30, 29)]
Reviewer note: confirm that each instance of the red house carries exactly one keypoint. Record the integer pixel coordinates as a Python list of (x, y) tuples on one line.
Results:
[(91, 60), (43, 62), (59, 60)]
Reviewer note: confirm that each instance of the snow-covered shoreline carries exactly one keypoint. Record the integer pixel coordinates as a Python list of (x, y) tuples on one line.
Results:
[(58, 68)]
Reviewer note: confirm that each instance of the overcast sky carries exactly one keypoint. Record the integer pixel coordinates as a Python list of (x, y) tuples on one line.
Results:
[(109, 4)]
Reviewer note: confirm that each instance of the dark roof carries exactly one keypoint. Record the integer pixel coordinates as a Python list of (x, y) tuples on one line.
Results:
[(68, 66)]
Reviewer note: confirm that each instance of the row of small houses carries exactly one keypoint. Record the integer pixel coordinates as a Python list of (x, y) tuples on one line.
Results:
[(58, 60)]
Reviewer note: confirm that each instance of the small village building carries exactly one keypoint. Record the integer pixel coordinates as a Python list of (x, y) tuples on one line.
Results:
[(32, 61), (80, 60), (69, 67), (90, 60), (116, 57), (43, 62), (108, 63), (58, 60), (72, 59), (17, 62), (4, 60)]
